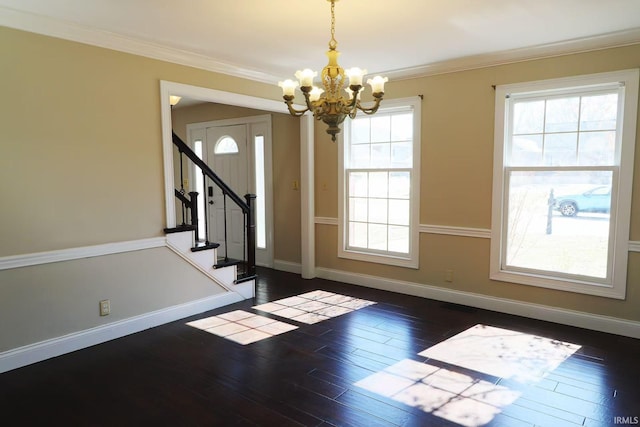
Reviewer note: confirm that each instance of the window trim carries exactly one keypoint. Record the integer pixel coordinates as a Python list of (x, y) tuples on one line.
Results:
[(412, 260), (624, 162)]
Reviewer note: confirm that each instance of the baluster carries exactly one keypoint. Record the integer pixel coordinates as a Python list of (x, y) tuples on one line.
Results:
[(206, 209), (184, 213), (226, 241)]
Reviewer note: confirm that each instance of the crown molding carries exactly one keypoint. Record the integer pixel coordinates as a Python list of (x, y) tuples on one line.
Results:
[(70, 31), (568, 47), (92, 36)]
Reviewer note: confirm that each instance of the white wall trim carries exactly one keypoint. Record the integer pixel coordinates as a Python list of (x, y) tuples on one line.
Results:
[(456, 231), (326, 220), (25, 260), (307, 197), (43, 350), (580, 319), (288, 266), (428, 228), (483, 233)]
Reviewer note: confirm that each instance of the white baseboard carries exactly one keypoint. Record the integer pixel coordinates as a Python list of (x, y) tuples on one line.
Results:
[(288, 266), (43, 350), (580, 319)]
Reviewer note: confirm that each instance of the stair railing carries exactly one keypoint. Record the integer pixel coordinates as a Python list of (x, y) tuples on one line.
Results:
[(190, 205)]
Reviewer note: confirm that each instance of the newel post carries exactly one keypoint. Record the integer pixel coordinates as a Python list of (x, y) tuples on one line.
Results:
[(251, 234)]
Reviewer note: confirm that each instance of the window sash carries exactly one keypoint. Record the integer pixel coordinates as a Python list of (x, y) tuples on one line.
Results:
[(576, 278)]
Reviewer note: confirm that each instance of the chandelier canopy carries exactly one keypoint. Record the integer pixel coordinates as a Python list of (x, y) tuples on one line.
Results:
[(329, 104)]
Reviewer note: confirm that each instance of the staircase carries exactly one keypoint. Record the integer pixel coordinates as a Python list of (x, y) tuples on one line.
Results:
[(235, 275)]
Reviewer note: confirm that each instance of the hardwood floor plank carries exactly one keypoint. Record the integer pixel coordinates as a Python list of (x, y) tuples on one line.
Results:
[(176, 374)]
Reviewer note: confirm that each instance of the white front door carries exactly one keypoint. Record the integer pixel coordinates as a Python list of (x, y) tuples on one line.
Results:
[(227, 156)]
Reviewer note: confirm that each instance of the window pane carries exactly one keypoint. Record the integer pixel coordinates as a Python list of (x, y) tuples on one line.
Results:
[(599, 112), (597, 148), (402, 127), (357, 209), (261, 210), (378, 210), (226, 145), (399, 239), (560, 149), (378, 184), (358, 184), (360, 131), (570, 235), (526, 150), (402, 155), (562, 115), (528, 117), (380, 155), (399, 212), (381, 129), (358, 234), (399, 185), (359, 156), (378, 237)]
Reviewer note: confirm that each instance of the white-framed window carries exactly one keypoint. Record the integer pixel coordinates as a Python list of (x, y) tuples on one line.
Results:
[(379, 185), (563, 170)]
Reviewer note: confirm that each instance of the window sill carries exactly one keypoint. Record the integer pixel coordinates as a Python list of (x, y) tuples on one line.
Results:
[(379, 259), (581, 287)]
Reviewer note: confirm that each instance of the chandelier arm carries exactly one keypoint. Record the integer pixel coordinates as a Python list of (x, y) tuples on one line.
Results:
[(293, 111), (307, 100), (373, 109)]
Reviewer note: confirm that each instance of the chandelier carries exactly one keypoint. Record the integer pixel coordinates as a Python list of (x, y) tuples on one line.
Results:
[(329, 104)]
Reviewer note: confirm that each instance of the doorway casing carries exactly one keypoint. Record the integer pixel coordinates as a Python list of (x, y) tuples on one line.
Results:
[(228, 98)]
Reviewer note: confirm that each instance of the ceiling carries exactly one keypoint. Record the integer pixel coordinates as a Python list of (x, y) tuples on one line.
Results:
[(268, 40)]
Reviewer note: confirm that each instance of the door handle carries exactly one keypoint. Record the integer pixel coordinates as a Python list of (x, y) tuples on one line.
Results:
[(211, 202)]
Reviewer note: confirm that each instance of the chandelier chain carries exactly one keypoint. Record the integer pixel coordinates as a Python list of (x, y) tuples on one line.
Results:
[(333, 43)]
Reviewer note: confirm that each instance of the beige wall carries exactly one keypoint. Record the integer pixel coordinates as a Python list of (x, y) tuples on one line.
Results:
[(286, 168), (456, 182)]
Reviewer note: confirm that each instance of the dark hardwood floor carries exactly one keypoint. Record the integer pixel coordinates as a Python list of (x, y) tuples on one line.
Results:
[(178, 375)]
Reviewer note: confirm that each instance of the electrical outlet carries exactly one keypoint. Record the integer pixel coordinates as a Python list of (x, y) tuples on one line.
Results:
[(105, 307), (448, 276)]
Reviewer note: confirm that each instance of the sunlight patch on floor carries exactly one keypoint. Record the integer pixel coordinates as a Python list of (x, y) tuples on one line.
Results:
[(470, 397), (502, 353), (447, 394), (313, 307), (242, 327)]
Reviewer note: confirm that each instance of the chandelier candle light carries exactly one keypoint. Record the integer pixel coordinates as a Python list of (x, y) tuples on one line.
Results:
[(329, 104)]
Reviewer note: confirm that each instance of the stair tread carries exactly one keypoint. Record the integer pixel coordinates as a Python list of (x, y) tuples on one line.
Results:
[(225, 263), (244, 278), (180, 228), (202, 246)]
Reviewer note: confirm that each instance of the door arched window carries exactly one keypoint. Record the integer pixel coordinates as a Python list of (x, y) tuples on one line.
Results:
[(226, 145)]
